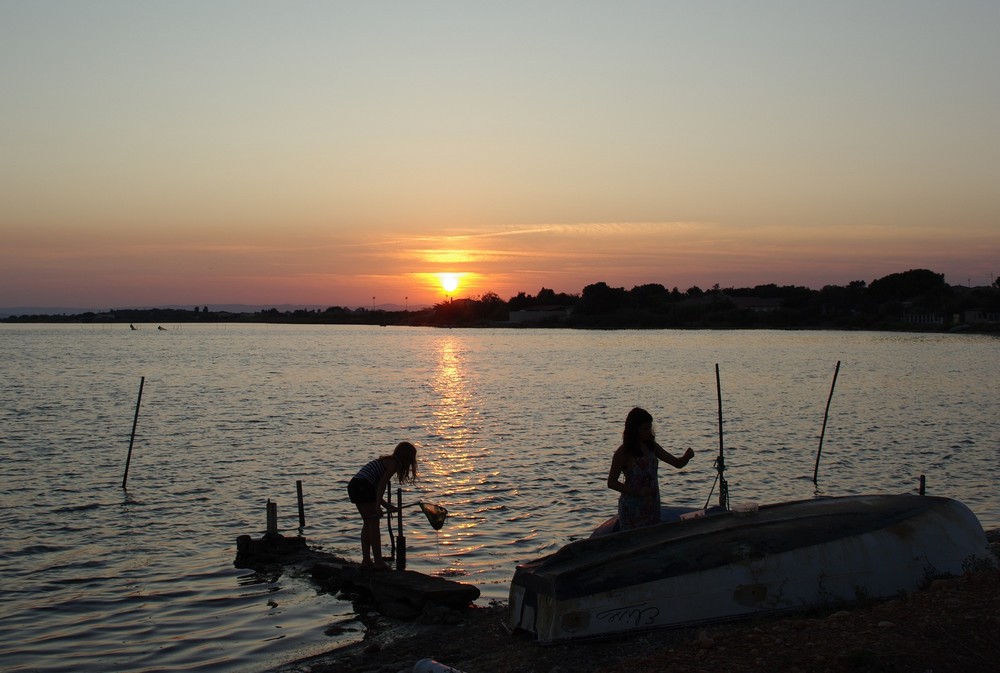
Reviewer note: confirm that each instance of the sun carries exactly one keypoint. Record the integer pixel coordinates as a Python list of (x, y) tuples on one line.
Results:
[(449, 281)]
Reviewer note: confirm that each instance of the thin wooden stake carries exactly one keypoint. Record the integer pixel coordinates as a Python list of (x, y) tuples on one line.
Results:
[(825, 416), (401, 549), (131, 440), (302, 509)]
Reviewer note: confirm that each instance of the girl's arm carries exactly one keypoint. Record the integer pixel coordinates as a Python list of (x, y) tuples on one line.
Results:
[(617, 467), (390, 470), (670, 459)]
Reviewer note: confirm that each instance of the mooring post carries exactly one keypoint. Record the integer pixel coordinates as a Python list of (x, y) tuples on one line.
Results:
[(135, 421), (401, 547), (302, 509), (826, 415), (272, 518), (923, 484)]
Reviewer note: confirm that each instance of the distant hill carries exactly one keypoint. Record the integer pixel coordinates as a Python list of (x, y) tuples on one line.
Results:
[(6, 312), (231, 308)]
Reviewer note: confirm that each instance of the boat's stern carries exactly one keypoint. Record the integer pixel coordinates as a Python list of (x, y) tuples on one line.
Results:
[(522, 603), (532, 605), (520, 614)]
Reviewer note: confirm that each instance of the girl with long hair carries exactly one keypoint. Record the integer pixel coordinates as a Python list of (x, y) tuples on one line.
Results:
[(367, 491), (637, 459)]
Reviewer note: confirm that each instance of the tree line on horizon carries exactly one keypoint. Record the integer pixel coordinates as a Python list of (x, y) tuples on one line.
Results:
[(918, 298)]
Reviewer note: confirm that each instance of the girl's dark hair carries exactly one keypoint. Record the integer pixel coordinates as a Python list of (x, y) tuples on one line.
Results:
[(630, 437), (406, 462)]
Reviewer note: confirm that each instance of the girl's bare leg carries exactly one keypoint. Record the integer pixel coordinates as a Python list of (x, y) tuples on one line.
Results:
[(375, 539), (369, 533)]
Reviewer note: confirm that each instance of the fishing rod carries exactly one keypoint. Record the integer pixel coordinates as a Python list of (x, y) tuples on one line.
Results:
[(825, 416), (720, 460)]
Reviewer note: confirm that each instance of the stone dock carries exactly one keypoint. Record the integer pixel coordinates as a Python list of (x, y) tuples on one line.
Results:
[(401, 593)]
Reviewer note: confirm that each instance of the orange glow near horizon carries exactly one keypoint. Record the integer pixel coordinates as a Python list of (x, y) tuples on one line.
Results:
[(447, 282)]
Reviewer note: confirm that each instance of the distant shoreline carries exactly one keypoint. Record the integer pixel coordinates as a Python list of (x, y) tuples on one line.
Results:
[(421, 320), (914, 301)]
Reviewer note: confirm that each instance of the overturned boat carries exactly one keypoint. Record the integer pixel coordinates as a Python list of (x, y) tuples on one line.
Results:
[(734, 564)]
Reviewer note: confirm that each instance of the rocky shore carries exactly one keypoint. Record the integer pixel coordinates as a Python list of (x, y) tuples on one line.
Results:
[(950, 627)]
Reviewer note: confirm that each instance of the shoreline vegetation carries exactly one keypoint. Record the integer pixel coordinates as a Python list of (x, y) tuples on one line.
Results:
[(917, 300)]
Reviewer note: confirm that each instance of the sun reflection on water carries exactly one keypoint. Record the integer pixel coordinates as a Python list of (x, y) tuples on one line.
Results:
[(451, 465)]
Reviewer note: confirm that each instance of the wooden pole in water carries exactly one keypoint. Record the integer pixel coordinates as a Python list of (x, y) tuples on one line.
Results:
[(825, 416), (302, 509), (135, 420), (401, 547), (272, 518)]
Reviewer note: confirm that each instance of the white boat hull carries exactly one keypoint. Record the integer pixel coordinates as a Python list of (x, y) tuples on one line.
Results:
[(782, 557)]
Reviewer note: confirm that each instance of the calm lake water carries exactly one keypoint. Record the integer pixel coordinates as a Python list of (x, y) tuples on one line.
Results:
[(515, 428)]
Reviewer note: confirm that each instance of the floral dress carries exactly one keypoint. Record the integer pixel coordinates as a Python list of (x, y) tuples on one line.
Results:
[(635, 511)]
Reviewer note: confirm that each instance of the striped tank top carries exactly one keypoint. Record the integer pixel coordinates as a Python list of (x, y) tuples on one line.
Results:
[(372, 472)]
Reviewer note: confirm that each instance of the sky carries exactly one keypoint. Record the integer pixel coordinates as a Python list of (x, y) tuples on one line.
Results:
[(347, 153)]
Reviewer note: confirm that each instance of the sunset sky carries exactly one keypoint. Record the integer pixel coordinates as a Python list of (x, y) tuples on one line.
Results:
[(325, 153)]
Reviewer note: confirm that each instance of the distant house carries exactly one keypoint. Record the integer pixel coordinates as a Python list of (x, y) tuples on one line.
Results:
[(918, 318), (979, 316), (537, 314)]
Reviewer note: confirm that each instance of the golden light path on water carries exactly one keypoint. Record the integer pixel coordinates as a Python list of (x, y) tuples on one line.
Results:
[(453, 470)]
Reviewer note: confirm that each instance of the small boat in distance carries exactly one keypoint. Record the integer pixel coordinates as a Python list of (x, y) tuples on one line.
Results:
[(745, 562)]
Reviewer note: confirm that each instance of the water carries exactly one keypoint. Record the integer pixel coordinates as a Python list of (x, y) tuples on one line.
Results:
[(515, 428)]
